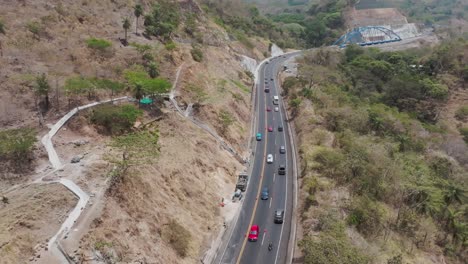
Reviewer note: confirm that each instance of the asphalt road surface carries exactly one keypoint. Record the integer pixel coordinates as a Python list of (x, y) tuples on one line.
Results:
[(261, 212)]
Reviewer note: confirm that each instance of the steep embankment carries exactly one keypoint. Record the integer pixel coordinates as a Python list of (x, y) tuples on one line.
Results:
[(181, 188)]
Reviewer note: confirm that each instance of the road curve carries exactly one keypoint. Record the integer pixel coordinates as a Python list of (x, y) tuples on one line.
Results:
[(281, 187)]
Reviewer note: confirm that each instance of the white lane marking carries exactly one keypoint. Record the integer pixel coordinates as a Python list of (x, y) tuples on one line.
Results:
[(286, 185), (274, 176), (263, 238), (270, 201)]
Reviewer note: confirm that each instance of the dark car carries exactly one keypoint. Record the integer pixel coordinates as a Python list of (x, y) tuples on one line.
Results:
[(267, 90), (282, 169), (279, 216), (282, 150), (265, 194), (272, 79), (280, 128)]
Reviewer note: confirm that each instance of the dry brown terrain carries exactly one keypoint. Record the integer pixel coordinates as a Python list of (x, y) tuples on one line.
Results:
[(31, 216), (186, 181)]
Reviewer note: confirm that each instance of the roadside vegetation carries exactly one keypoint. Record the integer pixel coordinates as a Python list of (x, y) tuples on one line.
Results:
[(376, 134)]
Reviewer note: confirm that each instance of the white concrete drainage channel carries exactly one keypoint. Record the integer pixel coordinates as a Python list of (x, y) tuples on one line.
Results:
[(53, 244)]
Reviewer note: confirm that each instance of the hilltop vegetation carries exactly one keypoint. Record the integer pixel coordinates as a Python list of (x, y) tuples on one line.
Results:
[(370, 133)]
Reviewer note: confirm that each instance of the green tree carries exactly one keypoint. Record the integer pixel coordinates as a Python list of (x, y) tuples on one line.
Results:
[(138, 91), (454, 194), (138, 11), (126, 25), (136, 148), (163, 19), (115, 120), (153, 70), (42, 88)]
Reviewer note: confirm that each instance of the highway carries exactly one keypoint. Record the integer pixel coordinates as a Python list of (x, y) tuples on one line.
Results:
[(281, 187)]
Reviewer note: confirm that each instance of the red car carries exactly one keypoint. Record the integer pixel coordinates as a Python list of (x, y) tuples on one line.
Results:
[(253, 234), (268, 109), (270, 129)]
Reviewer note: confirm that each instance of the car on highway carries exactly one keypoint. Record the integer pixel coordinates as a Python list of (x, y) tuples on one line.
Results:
[(272, 79), (265, 193), (253, 234), (269, 158), (282, 150), (268, 109), (276, 109), (270, 129), (259, 136), (267, 89), (280, 128), (279, 216), (282, 169)]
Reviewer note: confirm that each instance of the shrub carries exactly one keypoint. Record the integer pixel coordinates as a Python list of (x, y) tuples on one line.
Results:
[(462, 113), (329, 161), (226, 119), (464, 133), (170, 46), (178, 237), (366, 215), (16, 146), (163, 19), (197, 54), (115, 120), (36, 28), (2, 27), (98, 44), (331, 246)]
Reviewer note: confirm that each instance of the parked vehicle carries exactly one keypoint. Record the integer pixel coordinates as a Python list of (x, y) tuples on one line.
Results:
[(242, 180)]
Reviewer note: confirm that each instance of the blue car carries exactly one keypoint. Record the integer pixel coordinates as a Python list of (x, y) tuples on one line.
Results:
[(265, 194), (259, 136)]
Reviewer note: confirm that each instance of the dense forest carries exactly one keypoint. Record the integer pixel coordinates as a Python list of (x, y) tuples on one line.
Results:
[(308, 26), (369, 125)]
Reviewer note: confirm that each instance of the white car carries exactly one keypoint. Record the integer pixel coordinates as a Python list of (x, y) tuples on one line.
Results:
[(276, 109), (269, 158)]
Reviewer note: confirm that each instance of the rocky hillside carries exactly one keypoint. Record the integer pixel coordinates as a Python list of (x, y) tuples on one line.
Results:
[(56, 55)]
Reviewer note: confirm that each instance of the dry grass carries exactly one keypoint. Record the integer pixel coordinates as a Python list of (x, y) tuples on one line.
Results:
[(185, 183), (31, 216)]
